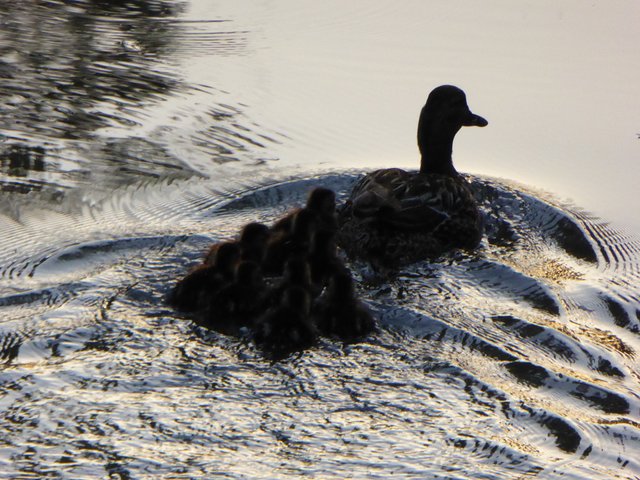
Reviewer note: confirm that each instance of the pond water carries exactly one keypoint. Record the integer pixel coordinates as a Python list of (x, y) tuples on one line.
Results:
[(134, 134)]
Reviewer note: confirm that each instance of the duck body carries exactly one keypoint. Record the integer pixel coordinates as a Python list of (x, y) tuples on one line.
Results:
[(236, 304), (286, 243), (339, 313), (393, 216), (323, 259), (287, 327), (194, 291), (296, 273), (187, 294)]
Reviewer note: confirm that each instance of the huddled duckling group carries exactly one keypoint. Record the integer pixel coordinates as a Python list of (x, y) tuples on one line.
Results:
[(286, 283)]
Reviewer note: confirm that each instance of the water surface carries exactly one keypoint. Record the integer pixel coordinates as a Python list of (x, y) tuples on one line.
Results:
[(134, 134)]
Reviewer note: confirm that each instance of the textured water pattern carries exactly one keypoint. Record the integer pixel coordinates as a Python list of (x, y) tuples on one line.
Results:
[(518, 360), (117, 170)]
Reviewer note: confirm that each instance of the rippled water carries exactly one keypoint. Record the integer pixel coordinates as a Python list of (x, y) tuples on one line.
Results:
[(120, 164)]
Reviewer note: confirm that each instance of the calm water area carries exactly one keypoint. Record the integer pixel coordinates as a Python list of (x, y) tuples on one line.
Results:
[(133, 134)]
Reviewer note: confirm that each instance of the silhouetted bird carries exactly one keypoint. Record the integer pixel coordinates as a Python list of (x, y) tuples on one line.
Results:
[(322, 202), (186, 294), (195, 291), (253, 242), (296, 273), (284, 244), (323, 258), (339, 313), (237, 304), (393, 216), (287, 327)]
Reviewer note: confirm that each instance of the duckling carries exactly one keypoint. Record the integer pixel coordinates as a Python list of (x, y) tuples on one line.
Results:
[(227, 259), (322, 202), (185, 295), (287, 327), (195, 290), (339, 313), (227, 255), (393, 216), (236, 304), (323, 258), (284, 244), (296, 273), (253, 242)]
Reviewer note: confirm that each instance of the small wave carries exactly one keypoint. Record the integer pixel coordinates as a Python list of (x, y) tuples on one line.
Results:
[(497, 362)]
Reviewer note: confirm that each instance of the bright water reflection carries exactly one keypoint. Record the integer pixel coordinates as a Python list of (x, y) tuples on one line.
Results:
[(133, 134), (557, 81)]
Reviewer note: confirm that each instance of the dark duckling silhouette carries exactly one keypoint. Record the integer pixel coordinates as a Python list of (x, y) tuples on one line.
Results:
[(322, 202), (323, 258), (293, 241), (197, 288), (393, 216), (186, 294), (287, 327), (227, 255), (236, 304), (338, 312), (296, 273), (253, 242)]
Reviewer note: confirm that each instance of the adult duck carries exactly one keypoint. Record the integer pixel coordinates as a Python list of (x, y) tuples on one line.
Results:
[(393, 216)]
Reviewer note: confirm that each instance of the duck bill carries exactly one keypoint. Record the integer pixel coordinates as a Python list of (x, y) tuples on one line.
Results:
[(474, 120)]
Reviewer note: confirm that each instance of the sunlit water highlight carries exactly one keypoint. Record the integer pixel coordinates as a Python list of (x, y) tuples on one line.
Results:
[(518, 360)]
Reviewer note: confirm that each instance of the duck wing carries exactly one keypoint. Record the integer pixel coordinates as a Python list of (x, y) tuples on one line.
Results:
[(395, 217), (406, 201)]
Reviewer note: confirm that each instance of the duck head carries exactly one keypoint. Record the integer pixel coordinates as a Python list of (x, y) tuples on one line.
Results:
[(322, 200), (445, 112), (254, 233), (253, 241), (226, 258)]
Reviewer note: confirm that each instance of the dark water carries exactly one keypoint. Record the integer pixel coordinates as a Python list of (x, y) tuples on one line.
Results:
[(117, 171)]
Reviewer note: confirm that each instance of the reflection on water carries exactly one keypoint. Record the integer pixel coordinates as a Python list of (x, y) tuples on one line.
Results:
[(69, 70), (79, 80), (131, 137)]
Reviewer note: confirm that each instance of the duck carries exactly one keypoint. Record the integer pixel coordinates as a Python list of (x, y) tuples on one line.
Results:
[(185, 295), (321, 202), (290, 242), (296, 273), (225, 259), (192, 293), (323, 258), (287, 327), (236, 304), (339, 313), (393, 216), (253, 242)]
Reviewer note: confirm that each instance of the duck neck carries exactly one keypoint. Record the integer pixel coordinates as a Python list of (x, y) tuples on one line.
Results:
[(436, 143)]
